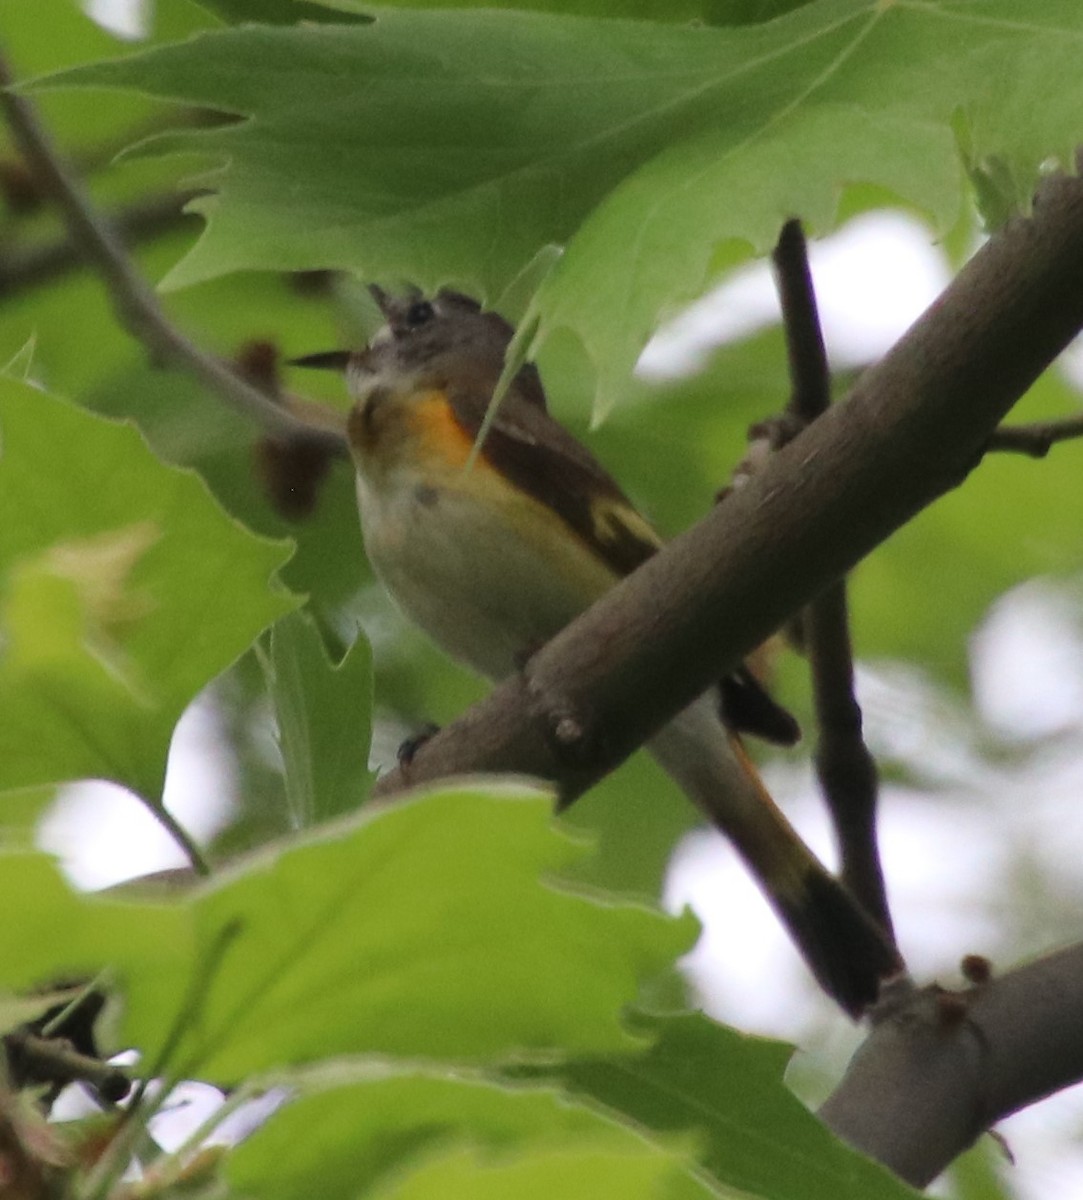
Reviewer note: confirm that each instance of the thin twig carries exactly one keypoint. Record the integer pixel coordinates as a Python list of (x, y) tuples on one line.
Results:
[(1035, 440), (182, 837), (136, 304), (41, 262), (810, 377), (844, 766), (54, 1061)]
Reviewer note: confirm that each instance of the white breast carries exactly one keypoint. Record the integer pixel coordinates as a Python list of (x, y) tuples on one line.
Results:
[(486, 571)]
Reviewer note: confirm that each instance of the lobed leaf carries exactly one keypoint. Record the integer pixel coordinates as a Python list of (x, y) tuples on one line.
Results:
[(452, 146), (124, 590)]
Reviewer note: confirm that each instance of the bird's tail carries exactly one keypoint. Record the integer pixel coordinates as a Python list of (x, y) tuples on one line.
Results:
[(843, 947)]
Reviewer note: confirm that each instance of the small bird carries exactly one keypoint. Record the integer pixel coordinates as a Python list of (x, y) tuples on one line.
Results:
[(492, 553)]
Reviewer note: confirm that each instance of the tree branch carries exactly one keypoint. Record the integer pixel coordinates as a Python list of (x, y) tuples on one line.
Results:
[(136, 304), (946, 1066), (40, 262), (910, 430), (844, 766), (54, 1061), (1035, 440)]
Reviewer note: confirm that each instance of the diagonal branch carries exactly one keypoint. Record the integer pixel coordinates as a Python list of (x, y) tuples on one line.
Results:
[(25, 266), (846, 769), (136, 304), (910, 430)]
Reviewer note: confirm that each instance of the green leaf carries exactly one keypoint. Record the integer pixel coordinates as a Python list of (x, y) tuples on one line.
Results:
[(49, 35), (277, 12), (355, 1134), (63, 934), (423, 930), (324, 715), (453, 146), (124, 590), (20, 812), (725, 1088), (282, 12), (632, 1173)]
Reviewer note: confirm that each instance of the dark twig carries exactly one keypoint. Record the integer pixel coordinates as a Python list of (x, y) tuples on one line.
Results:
[(1035, 440), (41, 262), (136, 304), (810, 378), (845, 768), (56, 1063)]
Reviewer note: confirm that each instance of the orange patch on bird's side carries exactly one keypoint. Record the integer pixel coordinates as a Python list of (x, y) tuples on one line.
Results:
[(433, 420)]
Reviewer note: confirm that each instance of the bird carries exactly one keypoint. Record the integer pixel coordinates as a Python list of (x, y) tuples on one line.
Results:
[(491, 548)]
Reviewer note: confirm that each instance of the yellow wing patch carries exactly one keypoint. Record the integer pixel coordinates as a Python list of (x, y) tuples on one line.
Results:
[(621, 535)]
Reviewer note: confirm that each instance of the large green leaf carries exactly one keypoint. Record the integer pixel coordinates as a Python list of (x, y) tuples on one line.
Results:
[(704, 1079), (632, 1172), (124, 590), (421, 930), (277, 12), (454, 145), (715, 1094), (354, 1133)]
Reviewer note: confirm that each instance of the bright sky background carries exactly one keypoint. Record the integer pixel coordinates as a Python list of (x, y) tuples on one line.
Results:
[(943, 861)]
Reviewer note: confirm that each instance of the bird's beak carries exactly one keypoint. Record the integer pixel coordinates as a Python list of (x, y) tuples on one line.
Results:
[(326, 360)]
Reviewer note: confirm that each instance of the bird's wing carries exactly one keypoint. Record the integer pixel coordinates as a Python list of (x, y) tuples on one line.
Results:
[(543, 459)]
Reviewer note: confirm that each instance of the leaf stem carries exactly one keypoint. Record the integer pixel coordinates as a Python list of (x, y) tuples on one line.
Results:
[(183, 839)]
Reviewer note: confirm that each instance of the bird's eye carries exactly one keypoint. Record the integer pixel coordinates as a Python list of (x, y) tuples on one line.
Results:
[(419, 313)]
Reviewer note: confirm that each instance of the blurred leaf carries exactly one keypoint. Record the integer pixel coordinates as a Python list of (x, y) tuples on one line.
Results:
[(124, 591), (618, 138), (324, 715), (282, 12), (20, 812), (701, 1078), (635, 1172), (422, 930), (80, 350), (356, 1134), (279, 11), (62, 934), (50, 35), (982, 1172)]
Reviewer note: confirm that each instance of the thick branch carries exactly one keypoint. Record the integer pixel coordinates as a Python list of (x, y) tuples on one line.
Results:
[(136, 304), (945, 1068), (846, 770), (910, 430)]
